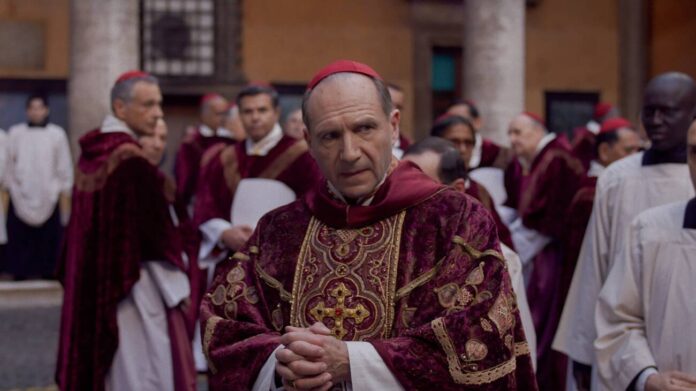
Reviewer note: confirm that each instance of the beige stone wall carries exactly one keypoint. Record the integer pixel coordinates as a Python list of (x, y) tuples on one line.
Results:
[(673, 28), (54, 17), (286, 41), (572, 45)]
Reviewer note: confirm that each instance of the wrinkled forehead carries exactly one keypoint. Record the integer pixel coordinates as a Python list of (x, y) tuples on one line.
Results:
[(342, 89)]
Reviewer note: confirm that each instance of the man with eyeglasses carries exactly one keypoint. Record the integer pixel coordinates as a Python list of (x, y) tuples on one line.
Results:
[(629, 186)]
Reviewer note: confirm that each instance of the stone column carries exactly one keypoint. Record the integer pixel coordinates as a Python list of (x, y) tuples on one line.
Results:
[(494, 62), (634, 25), (105, 41)]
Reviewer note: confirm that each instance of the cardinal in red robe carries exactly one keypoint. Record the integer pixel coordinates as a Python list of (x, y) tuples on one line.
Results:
[(214, 114), (121, 254), (387, 279), (547, 178)]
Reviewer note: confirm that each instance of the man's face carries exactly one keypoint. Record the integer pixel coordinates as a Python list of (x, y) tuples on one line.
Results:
[(691, 152), (258, 115), (155, 144), (143, 110), (463, 138), (628, 143), (294, 127), (524, 137), (397, 98), (214, 113), (350, 135), (667, 113), (37, 111), (429, 163)]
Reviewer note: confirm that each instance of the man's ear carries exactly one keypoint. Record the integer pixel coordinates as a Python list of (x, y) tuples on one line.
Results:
[(119, 108), (478, 124), (459, 185), (394, 121)]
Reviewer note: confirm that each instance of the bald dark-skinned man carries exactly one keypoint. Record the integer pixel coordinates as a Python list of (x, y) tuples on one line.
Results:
[(378, 279), (628, 187)]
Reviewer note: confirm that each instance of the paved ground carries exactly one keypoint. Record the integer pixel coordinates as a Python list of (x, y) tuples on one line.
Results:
[(29, 341)]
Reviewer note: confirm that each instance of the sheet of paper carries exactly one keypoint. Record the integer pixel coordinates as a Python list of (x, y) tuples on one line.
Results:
[(255, 197), (493, 180)]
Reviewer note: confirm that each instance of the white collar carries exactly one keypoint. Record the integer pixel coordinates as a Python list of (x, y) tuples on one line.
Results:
[(206, 131), (366, 202), (595, 169), (263, 146), (475, 159), (542, 144), (112, 124)]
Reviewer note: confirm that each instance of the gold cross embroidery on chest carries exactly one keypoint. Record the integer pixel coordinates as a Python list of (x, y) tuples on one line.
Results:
[(339, 312)]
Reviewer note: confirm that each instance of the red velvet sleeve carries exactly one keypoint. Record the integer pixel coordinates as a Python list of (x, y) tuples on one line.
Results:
[(213, 195), (466, 331), (551, 189)]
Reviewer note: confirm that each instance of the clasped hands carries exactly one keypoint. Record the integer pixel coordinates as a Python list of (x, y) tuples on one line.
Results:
[(312, 358)]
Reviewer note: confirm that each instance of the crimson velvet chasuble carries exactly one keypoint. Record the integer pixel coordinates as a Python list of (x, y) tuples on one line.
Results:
[(418, 273), (119, 219)]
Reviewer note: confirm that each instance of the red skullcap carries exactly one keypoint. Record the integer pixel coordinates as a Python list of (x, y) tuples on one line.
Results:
[(132, 74), (601, 109), (443, 117), (615, 124), (210, 96), (341, 66), (535, 117)]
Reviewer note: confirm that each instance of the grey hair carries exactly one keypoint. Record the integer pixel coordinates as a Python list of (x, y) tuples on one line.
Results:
[(382, 92), (124, 90)]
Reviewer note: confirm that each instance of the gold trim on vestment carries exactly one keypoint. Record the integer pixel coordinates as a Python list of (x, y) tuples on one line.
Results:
[(282, 162), (476, 377), (365, 258), (240, 256), (207, 338), (273, 283), (419, 281), (476, 254), (230, 168)]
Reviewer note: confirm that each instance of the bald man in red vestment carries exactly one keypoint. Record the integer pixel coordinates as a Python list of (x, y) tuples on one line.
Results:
[(547, 178), (379, 278)]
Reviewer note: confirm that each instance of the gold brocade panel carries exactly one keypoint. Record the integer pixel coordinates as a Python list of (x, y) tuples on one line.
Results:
[(346, 279)]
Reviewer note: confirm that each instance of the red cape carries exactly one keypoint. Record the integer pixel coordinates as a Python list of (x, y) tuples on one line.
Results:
[(188, 161), (119, 219)]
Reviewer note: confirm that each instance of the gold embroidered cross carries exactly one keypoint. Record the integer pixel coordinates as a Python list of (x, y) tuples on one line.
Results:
[(339, 313)]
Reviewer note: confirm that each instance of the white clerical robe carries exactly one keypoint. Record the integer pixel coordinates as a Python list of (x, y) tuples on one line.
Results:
[(646, 311), (39, 169), (624, 189), (3, 170)]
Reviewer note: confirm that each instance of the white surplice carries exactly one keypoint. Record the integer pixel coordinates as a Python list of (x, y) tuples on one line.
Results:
[(39, 169), (624, 189), (647, 309)]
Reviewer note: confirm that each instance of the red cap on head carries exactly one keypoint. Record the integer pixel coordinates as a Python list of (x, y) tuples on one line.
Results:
[(535, 117), (210, 96), (132, 74), (341, 66), (614, 124), (601, 109)]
